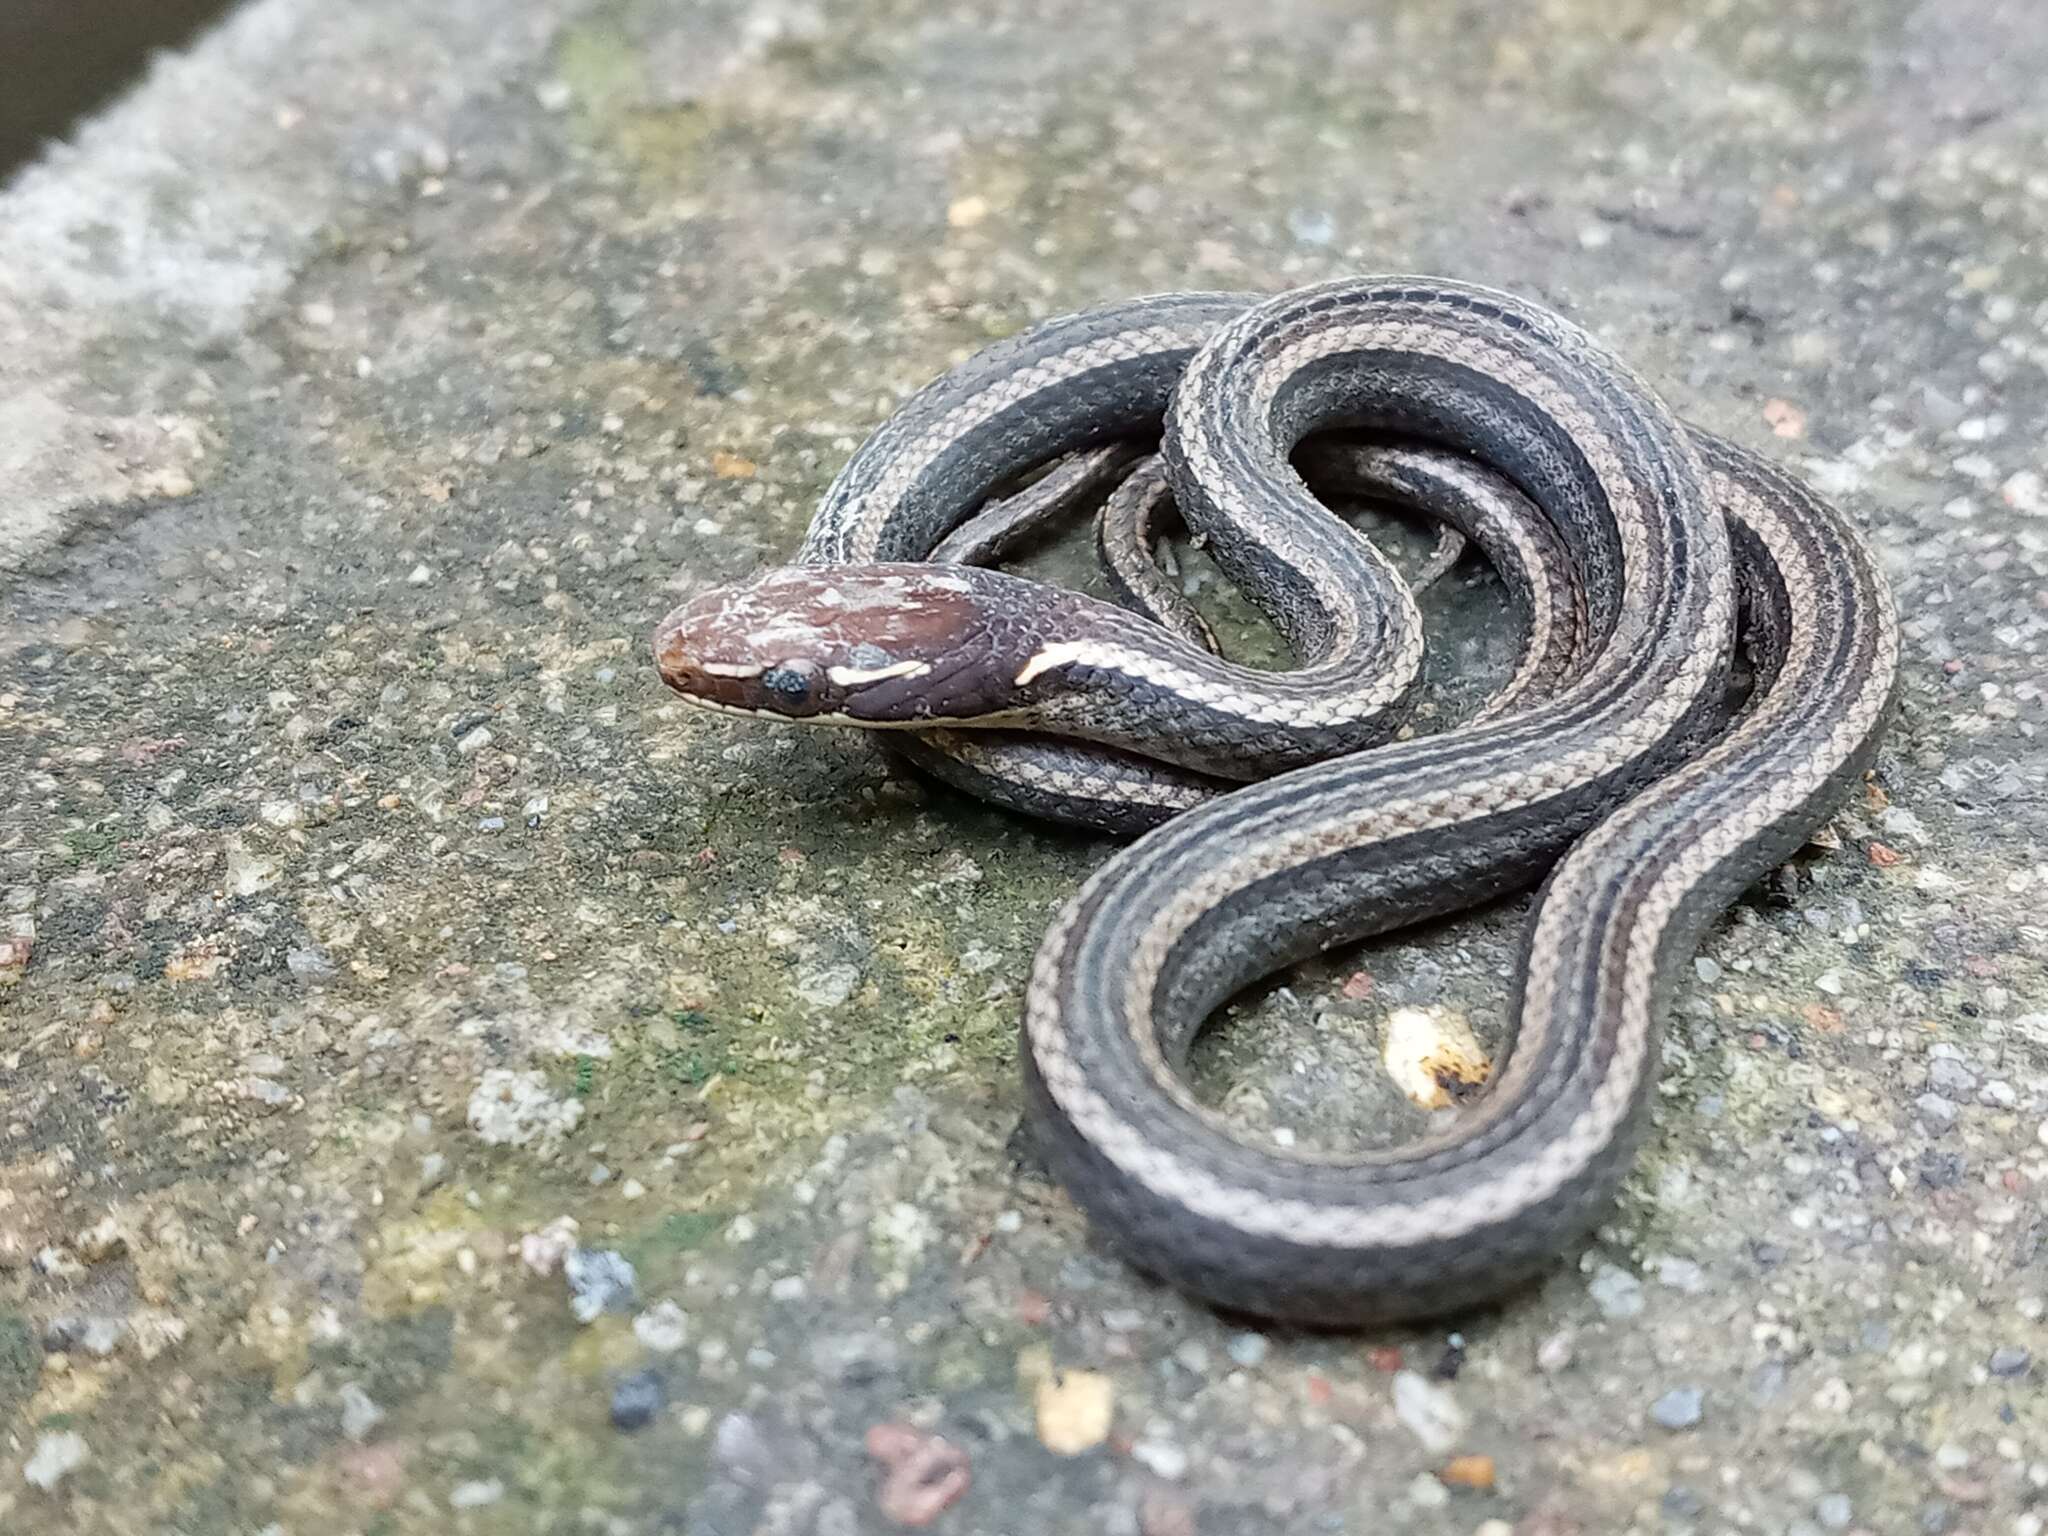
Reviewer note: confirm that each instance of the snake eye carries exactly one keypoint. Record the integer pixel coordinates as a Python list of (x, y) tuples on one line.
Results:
[(791, 682)]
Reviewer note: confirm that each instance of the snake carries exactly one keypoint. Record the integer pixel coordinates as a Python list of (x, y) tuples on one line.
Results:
[(1628, 772)]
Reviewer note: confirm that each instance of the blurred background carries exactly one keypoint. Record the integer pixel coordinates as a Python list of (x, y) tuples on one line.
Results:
[(65, 57)]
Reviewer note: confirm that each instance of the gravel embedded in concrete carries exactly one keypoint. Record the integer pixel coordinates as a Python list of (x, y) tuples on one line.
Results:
[(371, 393)]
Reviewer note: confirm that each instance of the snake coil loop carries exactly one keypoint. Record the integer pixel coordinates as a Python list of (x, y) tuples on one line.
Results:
[(1279, 816)]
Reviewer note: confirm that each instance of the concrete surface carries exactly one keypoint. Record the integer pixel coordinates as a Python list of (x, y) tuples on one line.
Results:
[(373, 378)]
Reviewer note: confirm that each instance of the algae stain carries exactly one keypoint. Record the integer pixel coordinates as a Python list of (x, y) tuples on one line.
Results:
[(607, 78), (21, 1361)]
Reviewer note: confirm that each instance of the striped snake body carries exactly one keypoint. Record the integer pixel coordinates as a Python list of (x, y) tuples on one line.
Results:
[(1279, 815)]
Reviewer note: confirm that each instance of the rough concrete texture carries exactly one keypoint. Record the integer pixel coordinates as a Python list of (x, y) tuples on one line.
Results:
[(378, 375)]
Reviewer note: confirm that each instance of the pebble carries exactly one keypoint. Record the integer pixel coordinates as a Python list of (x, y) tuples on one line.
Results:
[(433, 1169), (2009, 1360), (1936, 1110), (1247, 1349), (1555, 1353), (1074, 1411), (1427, 1493), (1941, 1170), (1474, 1472), (742, 1450), (1681, 1275), (1834, 1511), (543, 1251), (1681, 1503), (57, 1454), (1428, 1411), (359, 1414), (1951, 1078), (1617, 1293), (1707, 970), (600, 1280), (636, 1400), (925, 1474), (476, 1494), (1161, 1457), (1680, 1408)]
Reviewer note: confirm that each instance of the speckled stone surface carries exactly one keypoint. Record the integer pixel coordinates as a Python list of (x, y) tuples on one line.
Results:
[(447, 1086)]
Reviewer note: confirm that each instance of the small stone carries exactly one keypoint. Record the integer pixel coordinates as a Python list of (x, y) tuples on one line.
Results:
[(475, 741), (1160, 1457), (636, 1400), (516, 1109), (57, 1455), (476, 1494), (663, 1328), (1427, 1493), (1680, 1408), (543, 1251), (1951, 1078), (1474, 1472), (1074, 1411), (359, 1414), (2008, 1361), (105, 1239), (433, 1169), (1681, 1503), (1834, 1511), (925, 1474), (1936, 1517), (742, 1450), (1941, 1170), (1617, 1293), (788, 1288), (1681, 1275), (309, 963), (1428, 1411), (1555, 1353), (57, 1263), (1247, 1349), (1936, 1110), (1708, 971), (600, 1281)]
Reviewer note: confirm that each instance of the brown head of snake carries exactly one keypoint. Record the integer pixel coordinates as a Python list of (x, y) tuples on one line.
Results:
[(1279, 817)]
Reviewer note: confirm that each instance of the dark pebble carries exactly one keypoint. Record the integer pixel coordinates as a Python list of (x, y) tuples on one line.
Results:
[(1935, 1517), (1941, 1170), (1681, 1503), (636, 1400), (1452, 1360), (2009, 1360)]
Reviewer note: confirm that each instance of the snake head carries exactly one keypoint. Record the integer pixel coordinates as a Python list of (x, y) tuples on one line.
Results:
[(903, 644)]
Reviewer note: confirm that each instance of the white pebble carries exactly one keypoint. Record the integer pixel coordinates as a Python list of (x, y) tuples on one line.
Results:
[(56, 1454), (1428, 1411), (662, 1328)]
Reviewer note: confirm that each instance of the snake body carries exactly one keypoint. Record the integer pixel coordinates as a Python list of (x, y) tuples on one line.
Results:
[(1284, 819)]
